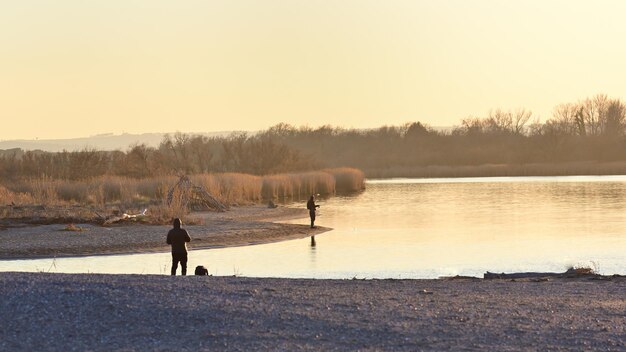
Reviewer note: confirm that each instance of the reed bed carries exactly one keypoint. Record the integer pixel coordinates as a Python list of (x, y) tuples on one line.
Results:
[(347, 179), (8, 197), (229, 188), (97, 191), (297, 185), (163, 213)]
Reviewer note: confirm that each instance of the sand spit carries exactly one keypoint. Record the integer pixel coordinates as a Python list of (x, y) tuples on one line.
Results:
[(238, 227), (63, 312)]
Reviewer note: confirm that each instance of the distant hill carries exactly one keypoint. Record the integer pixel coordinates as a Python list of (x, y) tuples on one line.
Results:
[(100, 142)]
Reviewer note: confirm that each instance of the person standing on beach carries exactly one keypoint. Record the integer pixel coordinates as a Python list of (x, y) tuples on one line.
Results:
[(311, 206), (178, 238)]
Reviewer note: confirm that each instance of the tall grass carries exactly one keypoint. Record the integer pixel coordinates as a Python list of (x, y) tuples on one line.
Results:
[(229, 188), (8, 197), (348, 179), (297, 185), (98, 191), (164, 212)]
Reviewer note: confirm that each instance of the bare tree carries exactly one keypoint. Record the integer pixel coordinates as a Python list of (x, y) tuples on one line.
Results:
[(520, 119), (614, 118), (565, 119), (500, 121), (593, 111)]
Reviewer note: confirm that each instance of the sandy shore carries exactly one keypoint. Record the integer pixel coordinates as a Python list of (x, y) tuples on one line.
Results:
[(62, 312), (237, 227)]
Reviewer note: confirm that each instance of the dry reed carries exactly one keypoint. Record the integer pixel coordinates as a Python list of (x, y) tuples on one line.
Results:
[(348, 179), (8, 197), (164, 213), (229, 188), (297, 185)]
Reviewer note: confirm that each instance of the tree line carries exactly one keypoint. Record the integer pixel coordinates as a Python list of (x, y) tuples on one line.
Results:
[(591, 129), (176, 155)]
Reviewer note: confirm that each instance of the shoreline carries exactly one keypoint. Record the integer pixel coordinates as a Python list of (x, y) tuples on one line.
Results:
[(241, 226), (320, 231), (573, 168)]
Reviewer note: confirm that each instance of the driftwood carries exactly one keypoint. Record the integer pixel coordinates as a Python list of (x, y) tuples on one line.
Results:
[(458, 277), (570, 273), (124, 216), (194, 196)]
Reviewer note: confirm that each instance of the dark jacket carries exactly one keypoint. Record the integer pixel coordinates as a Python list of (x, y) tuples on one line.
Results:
[(178, 237), (311, 206)]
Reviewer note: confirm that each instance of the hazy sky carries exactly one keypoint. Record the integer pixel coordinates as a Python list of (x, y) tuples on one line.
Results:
[(78, 68)]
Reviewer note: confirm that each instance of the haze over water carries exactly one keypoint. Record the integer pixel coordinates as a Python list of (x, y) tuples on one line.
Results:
[(424, 228)]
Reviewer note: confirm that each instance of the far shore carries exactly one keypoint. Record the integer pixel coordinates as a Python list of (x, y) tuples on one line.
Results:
[(240, 226), (578, 168)]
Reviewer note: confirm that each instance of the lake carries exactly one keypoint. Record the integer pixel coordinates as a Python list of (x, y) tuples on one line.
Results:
[(423, 228)]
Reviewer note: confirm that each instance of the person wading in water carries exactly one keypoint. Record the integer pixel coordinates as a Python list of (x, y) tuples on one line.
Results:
[(178, 238), (311, 206)]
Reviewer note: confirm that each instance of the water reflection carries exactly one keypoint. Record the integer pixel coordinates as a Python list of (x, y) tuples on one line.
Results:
[(312, 251), (424, 229)]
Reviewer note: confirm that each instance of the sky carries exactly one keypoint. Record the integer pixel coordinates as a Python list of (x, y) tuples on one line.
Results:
[(77, 68)]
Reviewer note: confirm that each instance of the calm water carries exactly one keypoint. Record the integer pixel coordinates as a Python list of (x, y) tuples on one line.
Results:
[(424, 228)]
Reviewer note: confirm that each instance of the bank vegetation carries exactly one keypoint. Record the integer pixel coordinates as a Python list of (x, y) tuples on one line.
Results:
[(583, 137)]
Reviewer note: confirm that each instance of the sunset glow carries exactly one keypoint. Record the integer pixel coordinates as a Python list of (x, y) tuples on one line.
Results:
[(78, 68)]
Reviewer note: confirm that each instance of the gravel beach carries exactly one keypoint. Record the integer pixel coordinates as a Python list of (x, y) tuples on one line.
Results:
[(91, 312), (88, 312), (239, 226)]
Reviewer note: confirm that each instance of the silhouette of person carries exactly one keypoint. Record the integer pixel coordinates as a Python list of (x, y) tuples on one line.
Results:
[(311, 206), (178, 238)]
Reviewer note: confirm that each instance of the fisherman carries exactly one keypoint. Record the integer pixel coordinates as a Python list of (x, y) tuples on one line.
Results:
[(178, 238), (311, 206)]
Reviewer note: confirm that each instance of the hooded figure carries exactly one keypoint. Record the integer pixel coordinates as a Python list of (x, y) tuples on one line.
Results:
[(178, 238)]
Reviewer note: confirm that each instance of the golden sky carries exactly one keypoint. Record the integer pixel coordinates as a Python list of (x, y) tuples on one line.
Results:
[(78, 68)]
